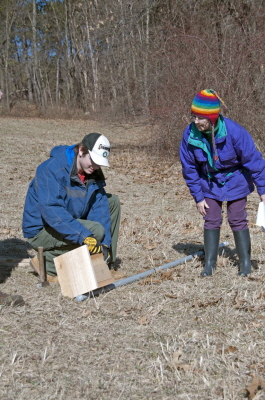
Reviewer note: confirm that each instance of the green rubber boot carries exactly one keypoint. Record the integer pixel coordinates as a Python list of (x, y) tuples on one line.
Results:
[(211, 249), (243, 248)]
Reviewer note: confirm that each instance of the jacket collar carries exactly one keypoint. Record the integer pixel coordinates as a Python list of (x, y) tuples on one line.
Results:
[(220, 131), (198, 139)]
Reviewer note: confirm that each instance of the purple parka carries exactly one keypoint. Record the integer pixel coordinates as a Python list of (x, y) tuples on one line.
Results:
[(233, 176)]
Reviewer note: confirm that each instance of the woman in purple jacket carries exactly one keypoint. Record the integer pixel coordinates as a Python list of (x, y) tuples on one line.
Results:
[(221, 163)]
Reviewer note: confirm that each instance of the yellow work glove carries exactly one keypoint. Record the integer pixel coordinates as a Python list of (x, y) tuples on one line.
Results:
[(93, 246)]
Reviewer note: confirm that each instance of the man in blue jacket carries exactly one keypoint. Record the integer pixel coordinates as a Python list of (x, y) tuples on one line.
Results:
[(66, 204), (221, 163)]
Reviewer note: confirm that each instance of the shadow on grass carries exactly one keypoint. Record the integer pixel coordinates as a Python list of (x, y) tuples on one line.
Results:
[(11, 249), (190, 248), (187, 248)]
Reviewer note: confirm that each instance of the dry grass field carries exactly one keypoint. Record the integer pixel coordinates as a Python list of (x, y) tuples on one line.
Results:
[(173, 335)]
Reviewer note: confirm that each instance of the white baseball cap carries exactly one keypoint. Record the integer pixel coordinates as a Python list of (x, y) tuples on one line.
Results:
[(98, 147)]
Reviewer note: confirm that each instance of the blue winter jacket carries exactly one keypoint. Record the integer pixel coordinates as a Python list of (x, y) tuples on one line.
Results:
[(233, 176), (57, 198)]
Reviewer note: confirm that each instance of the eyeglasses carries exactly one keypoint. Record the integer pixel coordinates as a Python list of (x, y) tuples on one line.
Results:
[(194, 117)]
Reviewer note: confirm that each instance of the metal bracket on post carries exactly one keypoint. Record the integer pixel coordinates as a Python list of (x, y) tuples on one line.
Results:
[(43, 282)]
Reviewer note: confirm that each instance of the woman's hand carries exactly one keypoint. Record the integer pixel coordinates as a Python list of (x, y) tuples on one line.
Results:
[(202, 205), (263, 198)]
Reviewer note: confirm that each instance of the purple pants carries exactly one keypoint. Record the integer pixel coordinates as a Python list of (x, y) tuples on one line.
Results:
[(236, 214)]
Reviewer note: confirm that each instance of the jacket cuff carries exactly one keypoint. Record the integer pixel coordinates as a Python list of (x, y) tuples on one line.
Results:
[(198, 199)]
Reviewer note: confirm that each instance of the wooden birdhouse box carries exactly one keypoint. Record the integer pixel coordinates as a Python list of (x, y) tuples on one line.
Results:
[(79, 272)]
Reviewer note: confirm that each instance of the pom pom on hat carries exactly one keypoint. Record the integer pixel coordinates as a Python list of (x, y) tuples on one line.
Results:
[(207, 104)]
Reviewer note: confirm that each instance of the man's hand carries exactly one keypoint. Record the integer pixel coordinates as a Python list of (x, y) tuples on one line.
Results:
[(201, 207), (263, 198), (93, 246)]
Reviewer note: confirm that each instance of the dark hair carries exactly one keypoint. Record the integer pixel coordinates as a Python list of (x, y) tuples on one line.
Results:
[(84, 148)]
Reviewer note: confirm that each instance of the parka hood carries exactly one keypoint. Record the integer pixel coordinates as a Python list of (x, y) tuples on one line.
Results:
[(63, 152)]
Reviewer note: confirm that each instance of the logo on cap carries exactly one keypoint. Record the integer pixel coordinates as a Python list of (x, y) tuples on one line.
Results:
[(101, 146)]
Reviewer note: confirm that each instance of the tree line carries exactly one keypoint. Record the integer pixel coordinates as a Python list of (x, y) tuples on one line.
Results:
[(127, 58)]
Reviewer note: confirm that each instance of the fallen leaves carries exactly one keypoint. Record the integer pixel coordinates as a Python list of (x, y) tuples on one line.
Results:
[(167, 276), (256, 325), (88, 313), (244, 305), (254, 387), (150, 281), (175, 363), (171, 296), (129, 312), (144, 320), (260, 367), (164, 276), (150, 246), (211, 302), (229, 349), (8, 231)]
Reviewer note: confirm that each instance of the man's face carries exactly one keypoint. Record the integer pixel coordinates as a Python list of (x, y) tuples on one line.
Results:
[(202, 124), (85, 163)]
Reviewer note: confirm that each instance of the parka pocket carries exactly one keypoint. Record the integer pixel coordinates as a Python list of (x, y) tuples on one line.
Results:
[(228, 158), (200, 155)]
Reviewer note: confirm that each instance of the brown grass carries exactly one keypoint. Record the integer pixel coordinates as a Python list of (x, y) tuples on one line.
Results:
[(175, 336)]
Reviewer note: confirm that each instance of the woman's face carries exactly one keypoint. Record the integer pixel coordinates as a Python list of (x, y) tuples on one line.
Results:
[(202, 124)]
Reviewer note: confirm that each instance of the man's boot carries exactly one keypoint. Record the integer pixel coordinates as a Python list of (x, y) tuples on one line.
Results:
[(243, 248), (211, 249)]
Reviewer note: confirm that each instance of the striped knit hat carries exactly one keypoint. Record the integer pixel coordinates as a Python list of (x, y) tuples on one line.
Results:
[(206, 104)]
